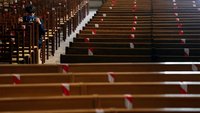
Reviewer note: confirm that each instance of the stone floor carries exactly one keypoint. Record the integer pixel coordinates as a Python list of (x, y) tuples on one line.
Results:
[(61, 50)]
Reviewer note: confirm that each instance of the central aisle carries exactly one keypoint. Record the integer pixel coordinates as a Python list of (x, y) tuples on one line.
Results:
[(56, 59)]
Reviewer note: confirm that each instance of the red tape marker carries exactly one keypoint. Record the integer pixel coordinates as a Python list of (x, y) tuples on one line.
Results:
[(174, 4), (128, 101), (133, 29), (65, 89), (177, 19), (183, 88), (176, 14), (111, 77), (134, 22), (87, 40), (194, 67), (65, 68), (181, 32), (16, 79), (132, 36), (183, 41), (135, 18), (94, 32), (90, 51), (99, 111), (96, 25), (186, 52), (132, 45)]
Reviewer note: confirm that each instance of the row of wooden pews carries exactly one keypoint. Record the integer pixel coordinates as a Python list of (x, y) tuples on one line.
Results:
[(127, 35), (139, 31), (19, 41), (176, 30), (111, 34), (100, 88)]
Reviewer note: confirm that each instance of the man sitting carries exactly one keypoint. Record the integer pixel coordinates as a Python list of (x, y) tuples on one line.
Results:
[(30, 17)]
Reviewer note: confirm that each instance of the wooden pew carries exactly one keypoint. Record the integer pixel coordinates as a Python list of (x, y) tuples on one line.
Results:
[(96, 77), (79, 58), (113, 45), (110, 51), (30, 68), (113, 36), (100, 67), (38, 90), (73, 56), (112, 110), (91, 102), (137, 45)]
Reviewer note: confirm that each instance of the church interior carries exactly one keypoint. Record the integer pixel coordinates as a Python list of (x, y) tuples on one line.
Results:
[(99, 56)]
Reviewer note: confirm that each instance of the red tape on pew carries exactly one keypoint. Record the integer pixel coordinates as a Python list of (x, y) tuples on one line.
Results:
[(99, 111), (94, 32), (177, 19), (96, 25), (134, 22), (186, 52), (174, 4), (133, 29), (176, 14), (111, 77), (132, 36), (132, 45), (16, 79), (181, 32), (65, 68), (183, 41), (103, 15), (128, 101), (65, 89), (194, 67), (12, 33), (90, 51), (135, 18), (134, 8), (183, 88), (87, 40)]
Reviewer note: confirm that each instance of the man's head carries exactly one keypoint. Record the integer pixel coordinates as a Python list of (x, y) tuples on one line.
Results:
[(30, 9)]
